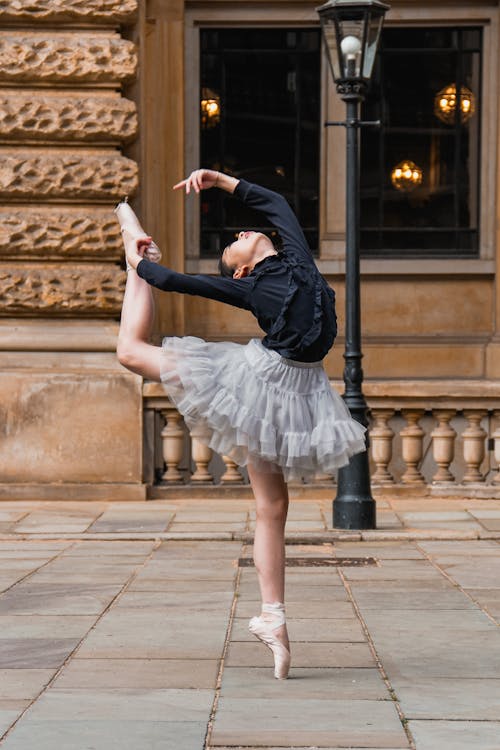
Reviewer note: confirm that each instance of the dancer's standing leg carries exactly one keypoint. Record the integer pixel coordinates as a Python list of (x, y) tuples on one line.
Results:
[(271, 503)]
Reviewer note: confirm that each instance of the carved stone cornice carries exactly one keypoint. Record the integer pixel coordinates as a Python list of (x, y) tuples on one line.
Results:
[(52, 117), (68, 11), (56, 174), (77, 58), (53, 232), (84, 289)]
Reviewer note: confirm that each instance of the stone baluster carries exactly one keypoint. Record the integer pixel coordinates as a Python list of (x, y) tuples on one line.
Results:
[(496, 442), (231, 474), (381, 437), (474, 448), (201, 455), (172, 438), (412, 446), (443, 445)]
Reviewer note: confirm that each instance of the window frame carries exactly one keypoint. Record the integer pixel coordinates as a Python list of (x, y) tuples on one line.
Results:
[(331, 260)]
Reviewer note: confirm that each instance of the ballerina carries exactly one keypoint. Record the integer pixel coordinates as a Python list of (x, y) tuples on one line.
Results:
[(268, 405)]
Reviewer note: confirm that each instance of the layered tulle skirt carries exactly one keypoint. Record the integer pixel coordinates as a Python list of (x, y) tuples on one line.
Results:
[(253, 405)]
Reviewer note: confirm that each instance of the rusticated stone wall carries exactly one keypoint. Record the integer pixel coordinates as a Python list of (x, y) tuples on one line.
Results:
[(63, 121)]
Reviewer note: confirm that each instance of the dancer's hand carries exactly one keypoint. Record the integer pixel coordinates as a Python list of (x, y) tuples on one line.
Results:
[(135, 247), (200, 179)]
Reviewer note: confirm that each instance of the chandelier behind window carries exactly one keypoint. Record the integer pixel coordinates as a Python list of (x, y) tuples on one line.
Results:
[(445, 103), (210, 108), (406, 176)]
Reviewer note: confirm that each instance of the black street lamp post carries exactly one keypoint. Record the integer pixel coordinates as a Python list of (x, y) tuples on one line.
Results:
[(351, 30)]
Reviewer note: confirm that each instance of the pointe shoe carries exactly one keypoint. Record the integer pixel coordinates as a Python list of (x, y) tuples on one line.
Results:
[(129, 222), (263, 630)]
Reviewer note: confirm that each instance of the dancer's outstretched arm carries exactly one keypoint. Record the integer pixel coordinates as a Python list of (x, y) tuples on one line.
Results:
[(273, 205)]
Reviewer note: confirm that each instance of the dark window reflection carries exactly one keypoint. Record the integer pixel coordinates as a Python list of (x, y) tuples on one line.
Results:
[(261, 89), (426, 91)]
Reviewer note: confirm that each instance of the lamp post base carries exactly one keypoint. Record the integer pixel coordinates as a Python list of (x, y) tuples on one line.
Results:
[(354, 507)]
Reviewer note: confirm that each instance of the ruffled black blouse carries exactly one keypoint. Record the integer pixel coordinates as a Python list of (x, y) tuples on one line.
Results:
[(292, 302)]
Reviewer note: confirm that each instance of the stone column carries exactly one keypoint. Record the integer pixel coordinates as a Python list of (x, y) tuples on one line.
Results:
[(74, 413)]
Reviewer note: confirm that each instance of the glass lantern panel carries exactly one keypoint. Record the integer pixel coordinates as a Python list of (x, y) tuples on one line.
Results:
[(372, 37), (330, 38), (351, 44)]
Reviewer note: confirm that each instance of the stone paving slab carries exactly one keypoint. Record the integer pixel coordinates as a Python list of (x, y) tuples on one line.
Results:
[(295, 593), (321, 723), (101, 734), (489, 599), (137, 673), (154, 635), (192, 550), (300, 630), (190, 585), (241, 654), (35, 653), (9, 714), (450, 547), (209, 528), (125, 704), (331, 607), (456, 735), (379, 550), (118, 522), (306, 682), (22, 684), (200, 602), (57, 598), (411, 601), (45, 626), (442, 698)]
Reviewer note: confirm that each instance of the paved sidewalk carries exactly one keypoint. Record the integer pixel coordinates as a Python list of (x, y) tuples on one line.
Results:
[(123, 626)]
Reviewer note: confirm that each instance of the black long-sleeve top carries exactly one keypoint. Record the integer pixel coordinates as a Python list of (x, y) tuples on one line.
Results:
[(292, 302)]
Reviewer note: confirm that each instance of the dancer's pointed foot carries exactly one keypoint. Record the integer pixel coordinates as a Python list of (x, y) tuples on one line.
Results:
[(270, 628), (129, 222)]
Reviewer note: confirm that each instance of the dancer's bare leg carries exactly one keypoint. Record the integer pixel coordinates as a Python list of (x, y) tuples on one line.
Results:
[(134, 350), (271, 501)]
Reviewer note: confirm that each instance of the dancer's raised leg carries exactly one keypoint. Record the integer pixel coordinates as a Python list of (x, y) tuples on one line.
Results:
[(134, 350), (271, 501)]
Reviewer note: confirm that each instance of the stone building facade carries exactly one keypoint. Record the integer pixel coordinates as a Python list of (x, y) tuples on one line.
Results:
[(99, 99)]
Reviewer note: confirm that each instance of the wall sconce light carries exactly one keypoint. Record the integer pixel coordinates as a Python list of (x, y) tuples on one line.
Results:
[(445, 103), (406, 176), (210, 108)]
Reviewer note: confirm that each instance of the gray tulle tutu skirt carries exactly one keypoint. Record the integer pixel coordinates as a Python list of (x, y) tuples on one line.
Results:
[(255, 406)]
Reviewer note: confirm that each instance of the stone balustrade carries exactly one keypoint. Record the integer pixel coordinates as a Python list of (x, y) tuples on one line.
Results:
[(443, 439)]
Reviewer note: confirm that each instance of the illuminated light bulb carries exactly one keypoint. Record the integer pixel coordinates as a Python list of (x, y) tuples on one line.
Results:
[(350, 46)]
